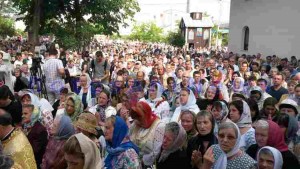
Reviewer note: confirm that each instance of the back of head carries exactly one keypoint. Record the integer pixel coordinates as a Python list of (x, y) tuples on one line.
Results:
[(5, 118), (52, 50)]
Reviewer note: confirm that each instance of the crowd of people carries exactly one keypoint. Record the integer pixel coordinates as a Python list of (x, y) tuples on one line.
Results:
[(140, 106)]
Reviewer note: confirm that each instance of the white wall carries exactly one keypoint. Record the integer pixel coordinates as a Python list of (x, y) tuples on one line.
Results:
[(274, 27)]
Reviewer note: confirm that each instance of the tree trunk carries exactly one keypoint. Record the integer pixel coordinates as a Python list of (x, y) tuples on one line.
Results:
[(36, 23)]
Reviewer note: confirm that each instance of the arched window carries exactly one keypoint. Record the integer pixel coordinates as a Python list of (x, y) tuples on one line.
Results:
[(245, 38)]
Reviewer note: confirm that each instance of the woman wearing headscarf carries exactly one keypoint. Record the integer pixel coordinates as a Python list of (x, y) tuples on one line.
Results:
[(238, 86), (188, 122), (198, 145), (187, 102), (36, 133), (211, 95), (20, 82), (173, 154), (43, 105), (84, 151), (240, 114), (122, 153), (227, 154), (269, 157), (158, 104), (54, 155), (216, 81), (220, 112), (268, 133), (73, 107), (85, 90), (103, 109), (147, 132), (116, 89)]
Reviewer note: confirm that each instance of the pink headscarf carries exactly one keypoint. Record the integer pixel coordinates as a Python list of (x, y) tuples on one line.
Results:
[(276, 137)]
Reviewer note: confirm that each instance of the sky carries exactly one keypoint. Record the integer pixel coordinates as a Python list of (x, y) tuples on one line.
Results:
[(165, 13)]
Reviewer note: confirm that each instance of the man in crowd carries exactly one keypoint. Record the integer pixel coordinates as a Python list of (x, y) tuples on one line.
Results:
[(277, 90)]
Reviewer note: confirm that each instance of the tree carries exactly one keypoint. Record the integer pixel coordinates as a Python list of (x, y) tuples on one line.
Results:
[(147, 32), (175, 39), (6, 27), (80, 19)]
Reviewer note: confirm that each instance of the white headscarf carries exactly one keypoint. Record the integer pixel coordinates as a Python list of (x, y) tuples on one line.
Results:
[(179, 141), (158, 92), (221, 163), (245, 119), (238, 88), (91, 152), (191, 102), (278, 161)]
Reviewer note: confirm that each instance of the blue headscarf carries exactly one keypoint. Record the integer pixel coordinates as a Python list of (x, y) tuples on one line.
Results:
[(116, 147), (65, 128)]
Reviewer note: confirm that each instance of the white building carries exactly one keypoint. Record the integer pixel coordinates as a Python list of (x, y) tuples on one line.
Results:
[(266, 26)]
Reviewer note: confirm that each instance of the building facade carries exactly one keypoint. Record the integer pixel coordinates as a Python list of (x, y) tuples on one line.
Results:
[(265, 26), (196, 30)]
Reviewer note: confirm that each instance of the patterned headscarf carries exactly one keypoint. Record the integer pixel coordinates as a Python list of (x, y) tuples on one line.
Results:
[(35, 117), (78, 106)]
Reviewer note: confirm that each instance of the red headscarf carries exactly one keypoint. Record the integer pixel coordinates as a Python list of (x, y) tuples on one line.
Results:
[(142, 108), (276, 137)]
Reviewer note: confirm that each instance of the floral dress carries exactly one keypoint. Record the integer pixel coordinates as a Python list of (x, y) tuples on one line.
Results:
[(128, 159)]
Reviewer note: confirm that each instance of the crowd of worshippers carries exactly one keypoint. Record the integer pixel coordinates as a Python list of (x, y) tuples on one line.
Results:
[(132, 106)]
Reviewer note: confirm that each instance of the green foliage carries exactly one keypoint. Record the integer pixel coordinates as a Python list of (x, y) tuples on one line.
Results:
[(6, 27), (74, 22), (175, 39), (216, 32), (147, 32)]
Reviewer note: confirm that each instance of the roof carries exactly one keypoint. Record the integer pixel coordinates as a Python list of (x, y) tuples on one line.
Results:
[(189, 22)]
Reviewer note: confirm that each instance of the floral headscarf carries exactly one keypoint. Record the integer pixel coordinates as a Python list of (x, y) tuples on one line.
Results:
[(35, 117), (78, 106)]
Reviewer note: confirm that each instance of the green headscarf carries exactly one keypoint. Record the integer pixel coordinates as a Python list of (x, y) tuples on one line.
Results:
[(78, 106), (35, 117)]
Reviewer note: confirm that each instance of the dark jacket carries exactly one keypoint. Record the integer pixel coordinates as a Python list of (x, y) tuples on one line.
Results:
[(178, 159), (38, 138)]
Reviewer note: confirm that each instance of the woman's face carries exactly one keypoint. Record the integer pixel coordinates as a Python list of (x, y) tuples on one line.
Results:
[(109, 131), (234, 114), (17, 73), (270, 110), (177, 102), (74, 161), (234, 76), (261, 136), (184, 96), (168, 140), (102, 99), (227, 139), (26, 115), (83, 81), (130, 82), (204, 125), (54, 129), (216, 112), (291, 88), (187, 121), (152, 93), (266, 161), (26, 99), (211, 92), (70, 107), (237, 83)]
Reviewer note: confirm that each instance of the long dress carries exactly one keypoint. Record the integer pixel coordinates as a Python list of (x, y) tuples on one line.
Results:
[(19, 148)]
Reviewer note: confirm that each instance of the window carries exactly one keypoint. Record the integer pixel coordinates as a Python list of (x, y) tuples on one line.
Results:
[(245, 38)]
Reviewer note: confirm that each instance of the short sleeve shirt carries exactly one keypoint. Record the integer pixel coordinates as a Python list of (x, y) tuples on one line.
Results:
[(53, 78)]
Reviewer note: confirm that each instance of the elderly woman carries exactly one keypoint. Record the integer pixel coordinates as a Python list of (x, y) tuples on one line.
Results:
[(188, 122), (85, 90), (198, 145), (238, 86), (81, 152), (44, 107), (187, 102), (268, 133), (211, 95), (36, 132), (147, 132), (227, 154), (61, 131), (270, 158), (122, 153), (241, 115), (103, 109), (172, 153), (73, 107), (157, 103)]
